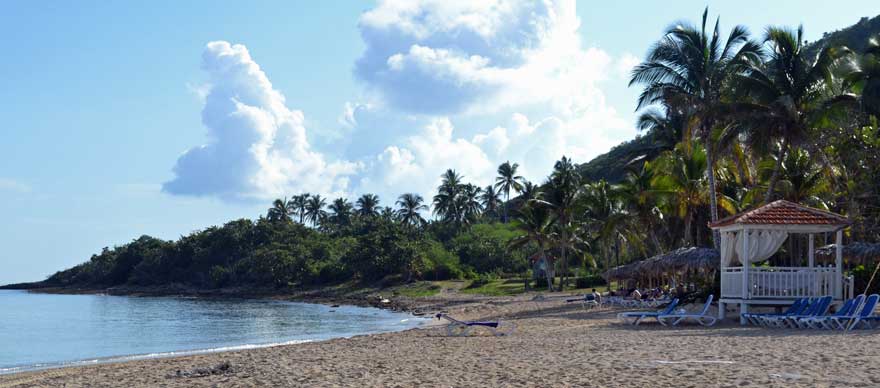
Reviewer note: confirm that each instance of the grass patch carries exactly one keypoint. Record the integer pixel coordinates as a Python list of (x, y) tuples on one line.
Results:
[(500, 287), (418, 289)]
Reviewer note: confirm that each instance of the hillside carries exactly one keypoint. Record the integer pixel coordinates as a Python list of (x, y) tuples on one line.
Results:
[(611, 165)]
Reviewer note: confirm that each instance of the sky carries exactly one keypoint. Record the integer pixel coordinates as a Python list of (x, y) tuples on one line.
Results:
[(121, 119)]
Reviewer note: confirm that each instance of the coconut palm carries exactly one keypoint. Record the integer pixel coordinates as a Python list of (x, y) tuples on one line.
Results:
[(315, 212), (409, 209), (787, 95), (469, 203), (530, 191), (561, 197), (298, 205), (536, 223), (280, 211), (639, 195), (508, 180), (490, 200), (446, 202), (687, 69), (802, 180), (368, 205), (684, 184), (606, 218), (340, 212), (862, 75)]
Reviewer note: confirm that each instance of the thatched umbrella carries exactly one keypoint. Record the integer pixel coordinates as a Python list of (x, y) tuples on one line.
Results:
[(854, 253), (678, 261)]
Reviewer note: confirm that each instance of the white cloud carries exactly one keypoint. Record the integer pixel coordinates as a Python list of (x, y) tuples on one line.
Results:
[(257, 148), (442, 57), (14, 186)]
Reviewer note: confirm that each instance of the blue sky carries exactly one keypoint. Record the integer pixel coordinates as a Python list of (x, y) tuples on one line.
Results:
[(105, 105)]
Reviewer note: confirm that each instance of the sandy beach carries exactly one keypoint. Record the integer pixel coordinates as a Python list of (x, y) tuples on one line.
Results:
[(554, 344)]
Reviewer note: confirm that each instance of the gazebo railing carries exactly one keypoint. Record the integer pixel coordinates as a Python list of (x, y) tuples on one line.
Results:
[(779, 282)]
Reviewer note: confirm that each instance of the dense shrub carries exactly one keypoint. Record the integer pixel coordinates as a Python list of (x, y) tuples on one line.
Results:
[(590, 281)]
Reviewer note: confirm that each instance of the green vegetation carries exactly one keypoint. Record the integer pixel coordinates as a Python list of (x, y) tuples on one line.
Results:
[(732, 121)]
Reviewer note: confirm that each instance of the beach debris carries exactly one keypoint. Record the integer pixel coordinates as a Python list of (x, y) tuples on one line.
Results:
[(223, 368), (385, 301), (786, 375), (665, 362)]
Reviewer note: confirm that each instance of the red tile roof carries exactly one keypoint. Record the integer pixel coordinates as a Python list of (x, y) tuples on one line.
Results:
[(783, 213)]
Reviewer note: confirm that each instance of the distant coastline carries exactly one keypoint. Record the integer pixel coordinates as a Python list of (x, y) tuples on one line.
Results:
[(353, 296)]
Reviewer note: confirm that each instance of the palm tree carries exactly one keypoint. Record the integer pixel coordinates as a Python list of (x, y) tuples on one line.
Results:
[(508, 180), (340, 212), (446, 202), (862, 75), (606, 218), (803, 181), (298, 205), (469, 203), (409, 209), (280, 211), (490, 200), (536, 222), (687, 68), (668, 126), (368, 205), (639, 195), (530, 191), (787, 94), (561, 197), (315, 213)]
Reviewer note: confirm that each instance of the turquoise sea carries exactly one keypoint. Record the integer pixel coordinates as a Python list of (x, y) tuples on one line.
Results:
[(45, 330)]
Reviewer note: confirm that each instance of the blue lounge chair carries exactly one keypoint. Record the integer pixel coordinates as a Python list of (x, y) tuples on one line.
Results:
[(849, 307), (796, 308), (457, 328), (775, 320), (820, 308), (702, 317), (636, 317), (862, 316)]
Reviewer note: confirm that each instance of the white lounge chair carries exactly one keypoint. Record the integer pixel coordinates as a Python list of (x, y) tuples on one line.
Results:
[(703, 317), (636, 317), (457, 328)]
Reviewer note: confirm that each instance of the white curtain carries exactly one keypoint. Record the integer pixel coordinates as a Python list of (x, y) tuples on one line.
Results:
[(728, 254), (762, 245)]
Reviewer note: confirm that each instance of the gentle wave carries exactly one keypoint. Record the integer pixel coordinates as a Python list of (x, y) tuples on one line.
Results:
[(135, 357)]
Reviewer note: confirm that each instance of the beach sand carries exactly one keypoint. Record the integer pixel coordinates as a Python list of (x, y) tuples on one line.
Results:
[(555, 344)]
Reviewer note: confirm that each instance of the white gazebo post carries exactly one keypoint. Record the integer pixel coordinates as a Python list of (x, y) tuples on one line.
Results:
[(811, 255), (745, 260), (838, 263)]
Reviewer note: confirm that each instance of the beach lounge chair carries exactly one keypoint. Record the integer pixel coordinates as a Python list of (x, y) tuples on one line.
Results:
[(860, 316), (703, 317), (796, 308), (457, 328), (849, 307), (636, 317), (775, 320), (588, 300), (820, 308)]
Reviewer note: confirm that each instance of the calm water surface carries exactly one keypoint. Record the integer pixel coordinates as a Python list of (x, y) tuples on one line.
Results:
[(44, 330)]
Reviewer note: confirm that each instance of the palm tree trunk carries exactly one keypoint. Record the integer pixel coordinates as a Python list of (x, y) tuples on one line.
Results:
[(563, 268), (710, 173), (506, 204), (688, 220), (774, 178)]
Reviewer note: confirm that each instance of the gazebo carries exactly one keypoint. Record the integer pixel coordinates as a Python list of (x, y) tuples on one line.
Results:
[(754, 236)]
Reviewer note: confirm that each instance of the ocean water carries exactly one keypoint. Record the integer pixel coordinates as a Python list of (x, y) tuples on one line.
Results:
[(44, 330)]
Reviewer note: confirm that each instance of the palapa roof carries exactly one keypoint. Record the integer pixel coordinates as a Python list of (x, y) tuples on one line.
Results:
[(783, 212), (858, 252), (675, 261)]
